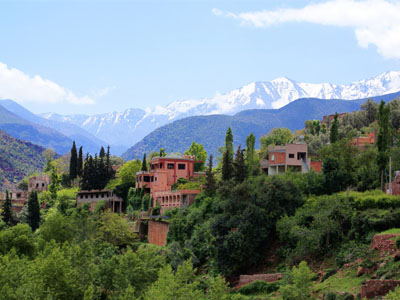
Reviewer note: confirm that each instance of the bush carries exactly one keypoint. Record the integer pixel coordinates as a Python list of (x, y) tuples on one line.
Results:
[(259, 287)]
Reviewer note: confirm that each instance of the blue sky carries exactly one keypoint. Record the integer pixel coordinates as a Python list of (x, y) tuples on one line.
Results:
[(101, 56)]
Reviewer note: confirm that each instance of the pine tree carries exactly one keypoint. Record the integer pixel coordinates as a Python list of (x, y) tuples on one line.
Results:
[(33, 211), (144, 163), (211, 185), (79, 168), (73, 163), (239, 167), (334, 133), (7, 213)]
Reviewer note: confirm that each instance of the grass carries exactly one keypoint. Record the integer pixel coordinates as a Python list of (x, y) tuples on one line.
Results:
[(344, 281), (391, 231)]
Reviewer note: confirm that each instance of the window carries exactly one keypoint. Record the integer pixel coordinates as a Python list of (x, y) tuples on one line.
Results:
[(97, 195), (146, 178), (181, 166), (87, 196), (161, 165), (170, 166), (152, 178), (291, 155), (42, 184), (37, 184), (272, 157)]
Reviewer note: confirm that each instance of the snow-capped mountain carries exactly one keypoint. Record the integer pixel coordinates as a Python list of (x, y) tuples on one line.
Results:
[(130, 126)]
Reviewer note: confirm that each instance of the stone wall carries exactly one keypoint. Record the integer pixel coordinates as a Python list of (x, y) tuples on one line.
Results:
[(384, 243), (246, 279), (373, 288), (157, 232)]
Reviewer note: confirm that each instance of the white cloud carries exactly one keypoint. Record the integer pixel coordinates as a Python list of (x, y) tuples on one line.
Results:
[(375, 22), (18, 86)]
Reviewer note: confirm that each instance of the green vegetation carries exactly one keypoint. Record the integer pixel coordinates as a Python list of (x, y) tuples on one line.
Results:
[(391, 231), (18, 159)]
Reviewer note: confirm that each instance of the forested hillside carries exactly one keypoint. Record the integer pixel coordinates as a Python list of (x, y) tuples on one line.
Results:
[(37, 134), (18, 159), (209, 130)]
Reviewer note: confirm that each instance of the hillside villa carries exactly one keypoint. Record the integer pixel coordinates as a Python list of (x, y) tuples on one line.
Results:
[(164, 172)]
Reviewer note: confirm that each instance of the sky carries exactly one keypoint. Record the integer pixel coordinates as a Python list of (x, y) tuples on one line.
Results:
[(90, 57)]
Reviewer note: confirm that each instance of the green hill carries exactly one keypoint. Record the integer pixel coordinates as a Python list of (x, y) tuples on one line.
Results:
[(210, 130), (18, 159)]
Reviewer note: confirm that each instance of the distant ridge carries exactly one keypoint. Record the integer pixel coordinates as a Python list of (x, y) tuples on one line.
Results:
[(210, 130)]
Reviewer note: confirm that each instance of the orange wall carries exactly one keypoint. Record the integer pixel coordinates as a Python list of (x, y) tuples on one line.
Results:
[(279, 158), (157, 232)]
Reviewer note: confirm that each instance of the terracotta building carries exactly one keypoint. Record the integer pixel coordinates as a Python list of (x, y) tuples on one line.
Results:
[(367, 139), (39, 183), (293, 157), (164, 172), (94, 196)]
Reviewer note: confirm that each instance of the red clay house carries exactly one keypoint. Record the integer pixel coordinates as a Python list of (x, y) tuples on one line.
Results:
[(164, 172)]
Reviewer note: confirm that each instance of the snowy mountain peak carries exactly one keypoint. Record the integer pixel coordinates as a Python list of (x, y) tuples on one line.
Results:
[(131, 125)]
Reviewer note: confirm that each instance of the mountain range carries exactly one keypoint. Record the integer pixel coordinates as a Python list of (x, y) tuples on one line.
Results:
[(210, 130), (64, 133), (124, 129)]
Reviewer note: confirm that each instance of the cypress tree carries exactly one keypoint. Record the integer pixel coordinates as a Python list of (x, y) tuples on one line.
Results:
[(334, 132), (250, 153), (227, 166), (80, 162), (227, 158), (239, 170), (144, 163), (33, 211), (110, 171), (73, 163), (229, 142), (211, 185), (7, 213), (383, 139), (85, 185)]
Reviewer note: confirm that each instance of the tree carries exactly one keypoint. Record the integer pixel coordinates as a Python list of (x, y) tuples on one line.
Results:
[(227, 158), (127, 172), (301, 284), (239, 167), (73, 163), (33, 211), (144, 163), (178, 286), (200, 154), (110, 171), (229, 142), (383, 139), (7, 213), (250, 157), (162, 152), (371, 109), (227, 166), (80, 162), (211, 185), (277, 137), (334, 132)]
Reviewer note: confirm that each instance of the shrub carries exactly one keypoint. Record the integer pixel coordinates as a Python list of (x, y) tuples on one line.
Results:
[(259, 287)]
